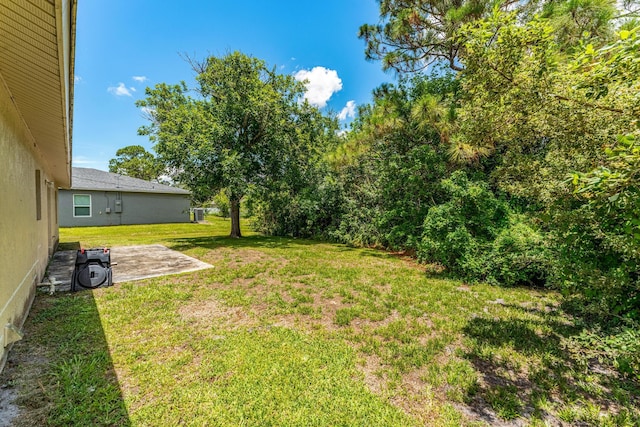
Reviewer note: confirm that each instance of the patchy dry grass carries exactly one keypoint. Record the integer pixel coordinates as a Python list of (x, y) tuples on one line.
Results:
[(294, 332)]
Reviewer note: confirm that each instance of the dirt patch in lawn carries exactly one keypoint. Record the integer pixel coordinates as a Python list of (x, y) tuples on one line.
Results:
[(212, 311), (374, 377), (236, 257)]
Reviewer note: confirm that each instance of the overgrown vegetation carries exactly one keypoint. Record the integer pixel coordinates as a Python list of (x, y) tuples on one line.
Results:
[(285, 331), (513, 160), (520, 169)]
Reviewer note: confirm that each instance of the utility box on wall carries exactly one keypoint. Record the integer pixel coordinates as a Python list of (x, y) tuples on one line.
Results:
[(118, 206)]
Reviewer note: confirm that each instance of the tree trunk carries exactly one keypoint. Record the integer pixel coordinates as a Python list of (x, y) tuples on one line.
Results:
[(235, 218)]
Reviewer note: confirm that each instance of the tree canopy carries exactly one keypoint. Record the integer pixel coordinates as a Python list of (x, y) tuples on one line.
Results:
[(415, 34), (136, 162), (238, 132)]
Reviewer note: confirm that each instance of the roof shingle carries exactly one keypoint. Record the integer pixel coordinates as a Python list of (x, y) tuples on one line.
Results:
[(94, 179)]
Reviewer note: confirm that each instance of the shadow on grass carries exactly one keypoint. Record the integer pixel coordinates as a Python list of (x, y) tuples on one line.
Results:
[(62, 370), (554, 376), (273, 242), (254, 241)]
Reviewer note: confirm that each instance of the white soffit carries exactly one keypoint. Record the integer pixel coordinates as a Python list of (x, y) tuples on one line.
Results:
[(37, 40)]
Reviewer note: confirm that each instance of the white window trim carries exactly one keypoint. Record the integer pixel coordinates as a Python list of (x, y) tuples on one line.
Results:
[(81, 206)]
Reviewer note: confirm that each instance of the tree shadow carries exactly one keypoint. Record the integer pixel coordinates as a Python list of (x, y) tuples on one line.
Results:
[(62, 370), (274, 242), (555, 373), (248, 242)]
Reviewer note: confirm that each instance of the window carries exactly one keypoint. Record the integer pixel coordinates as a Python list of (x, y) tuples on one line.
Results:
[(81, 205), (38, 195)]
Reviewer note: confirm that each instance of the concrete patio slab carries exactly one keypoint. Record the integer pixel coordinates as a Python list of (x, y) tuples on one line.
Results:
[(132, 263), (145, 261)]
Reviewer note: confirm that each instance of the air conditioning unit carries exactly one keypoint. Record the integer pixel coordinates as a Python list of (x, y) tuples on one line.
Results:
[(198, 214), (92, 270)]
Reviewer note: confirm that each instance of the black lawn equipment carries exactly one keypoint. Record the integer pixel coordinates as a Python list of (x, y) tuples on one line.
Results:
[(93, 269)]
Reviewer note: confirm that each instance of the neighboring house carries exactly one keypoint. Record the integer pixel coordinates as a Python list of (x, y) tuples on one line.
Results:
[(105, 198), (37, 48)]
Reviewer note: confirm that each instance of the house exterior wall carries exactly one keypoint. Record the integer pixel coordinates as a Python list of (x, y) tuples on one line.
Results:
[(137, 208), (25, 241)]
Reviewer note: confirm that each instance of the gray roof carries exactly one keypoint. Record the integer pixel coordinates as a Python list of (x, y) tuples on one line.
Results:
[(94, 179)]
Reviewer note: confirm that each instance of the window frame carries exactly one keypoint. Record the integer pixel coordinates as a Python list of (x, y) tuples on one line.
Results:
[(81, 206)]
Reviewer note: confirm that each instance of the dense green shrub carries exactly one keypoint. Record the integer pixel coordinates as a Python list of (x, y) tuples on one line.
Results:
[(595, 268), (551, 116), (475, 235), (387, 196), (360, 209), (391, 162), (518, 255), (457, 232), (409, 184), (312, 211), (598, 240)]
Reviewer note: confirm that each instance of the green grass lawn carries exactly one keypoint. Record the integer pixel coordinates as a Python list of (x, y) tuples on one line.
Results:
[(288, 332)]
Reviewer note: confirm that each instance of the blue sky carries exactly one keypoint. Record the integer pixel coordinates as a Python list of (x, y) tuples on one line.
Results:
[(123, 46)]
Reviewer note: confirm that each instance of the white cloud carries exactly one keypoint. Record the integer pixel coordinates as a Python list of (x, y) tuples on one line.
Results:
[(120, 90), (83, 161), (140, 79), (132, 89), (321, 83), (77, 78), (349, 110)]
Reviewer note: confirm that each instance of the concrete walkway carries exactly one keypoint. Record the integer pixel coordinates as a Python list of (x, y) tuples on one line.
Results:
[(133, 263)]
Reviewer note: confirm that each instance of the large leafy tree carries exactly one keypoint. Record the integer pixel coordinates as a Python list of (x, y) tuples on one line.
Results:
[(136, 162), (234, 134)]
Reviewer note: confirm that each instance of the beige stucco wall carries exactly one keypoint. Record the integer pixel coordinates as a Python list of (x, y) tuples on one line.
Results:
[(25, 241)]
